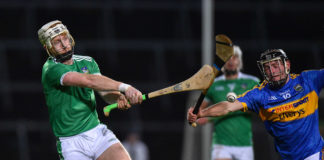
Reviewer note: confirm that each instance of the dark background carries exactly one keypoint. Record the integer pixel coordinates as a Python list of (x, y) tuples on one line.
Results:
[(149, 44)]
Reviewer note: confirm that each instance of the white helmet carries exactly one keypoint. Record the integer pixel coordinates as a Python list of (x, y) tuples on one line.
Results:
[(50, 30)]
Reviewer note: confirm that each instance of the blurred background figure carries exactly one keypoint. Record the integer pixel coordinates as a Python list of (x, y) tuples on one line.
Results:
[(136, 148), (232, 134)]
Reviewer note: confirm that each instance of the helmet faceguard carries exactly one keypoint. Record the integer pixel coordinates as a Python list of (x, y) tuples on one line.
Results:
[(280, 58), (50, 30)]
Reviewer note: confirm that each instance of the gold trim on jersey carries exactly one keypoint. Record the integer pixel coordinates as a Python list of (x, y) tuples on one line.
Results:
[(264, 83), (245, 108), (256, 86), (293, 76)]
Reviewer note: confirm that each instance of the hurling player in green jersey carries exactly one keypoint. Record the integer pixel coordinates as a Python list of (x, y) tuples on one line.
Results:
[(232, 133), (69, 82)]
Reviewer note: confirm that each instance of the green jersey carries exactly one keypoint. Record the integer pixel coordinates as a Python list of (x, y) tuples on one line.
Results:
[(72, 110), (233, 129)]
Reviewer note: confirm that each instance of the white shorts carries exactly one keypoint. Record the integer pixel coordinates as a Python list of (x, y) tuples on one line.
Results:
[(88, 145), (234, 153)]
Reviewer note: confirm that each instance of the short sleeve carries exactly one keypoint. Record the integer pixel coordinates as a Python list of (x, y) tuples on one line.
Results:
[(251, 100), (315, 77), (55, 74), (95, 67)]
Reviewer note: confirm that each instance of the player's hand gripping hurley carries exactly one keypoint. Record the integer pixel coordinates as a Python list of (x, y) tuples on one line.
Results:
[(224, 51), (199, 81)]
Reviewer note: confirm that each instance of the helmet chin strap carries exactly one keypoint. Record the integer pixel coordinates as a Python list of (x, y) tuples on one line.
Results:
[(278, 84), (64, 57), (282, 81)]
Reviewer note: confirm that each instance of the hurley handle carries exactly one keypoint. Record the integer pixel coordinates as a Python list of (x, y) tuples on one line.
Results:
[(197, 106), (108, 108)]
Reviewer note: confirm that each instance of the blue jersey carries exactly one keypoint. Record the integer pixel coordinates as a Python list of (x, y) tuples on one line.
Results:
[(290, 114)]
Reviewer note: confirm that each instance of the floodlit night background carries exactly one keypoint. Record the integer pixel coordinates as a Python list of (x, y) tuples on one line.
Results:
[(149, 44)]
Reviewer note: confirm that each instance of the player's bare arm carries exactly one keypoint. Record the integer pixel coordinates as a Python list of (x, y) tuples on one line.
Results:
[(203, 120), (204, 105), (96, 82), (102, 83), (109, 96), (191, 117), (219, 109)]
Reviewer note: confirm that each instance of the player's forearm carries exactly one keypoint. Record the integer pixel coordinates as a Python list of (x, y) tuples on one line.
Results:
[(96, 82), (204, 105), (109, 97), (102, 83), (202, 121), (221, 109), (215, 110)]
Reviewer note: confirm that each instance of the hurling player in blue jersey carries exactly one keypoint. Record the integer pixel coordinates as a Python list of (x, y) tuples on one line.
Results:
[(287, 104)]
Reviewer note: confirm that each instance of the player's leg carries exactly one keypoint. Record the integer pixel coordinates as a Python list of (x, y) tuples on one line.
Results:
[(221, 152), (115, 152)]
